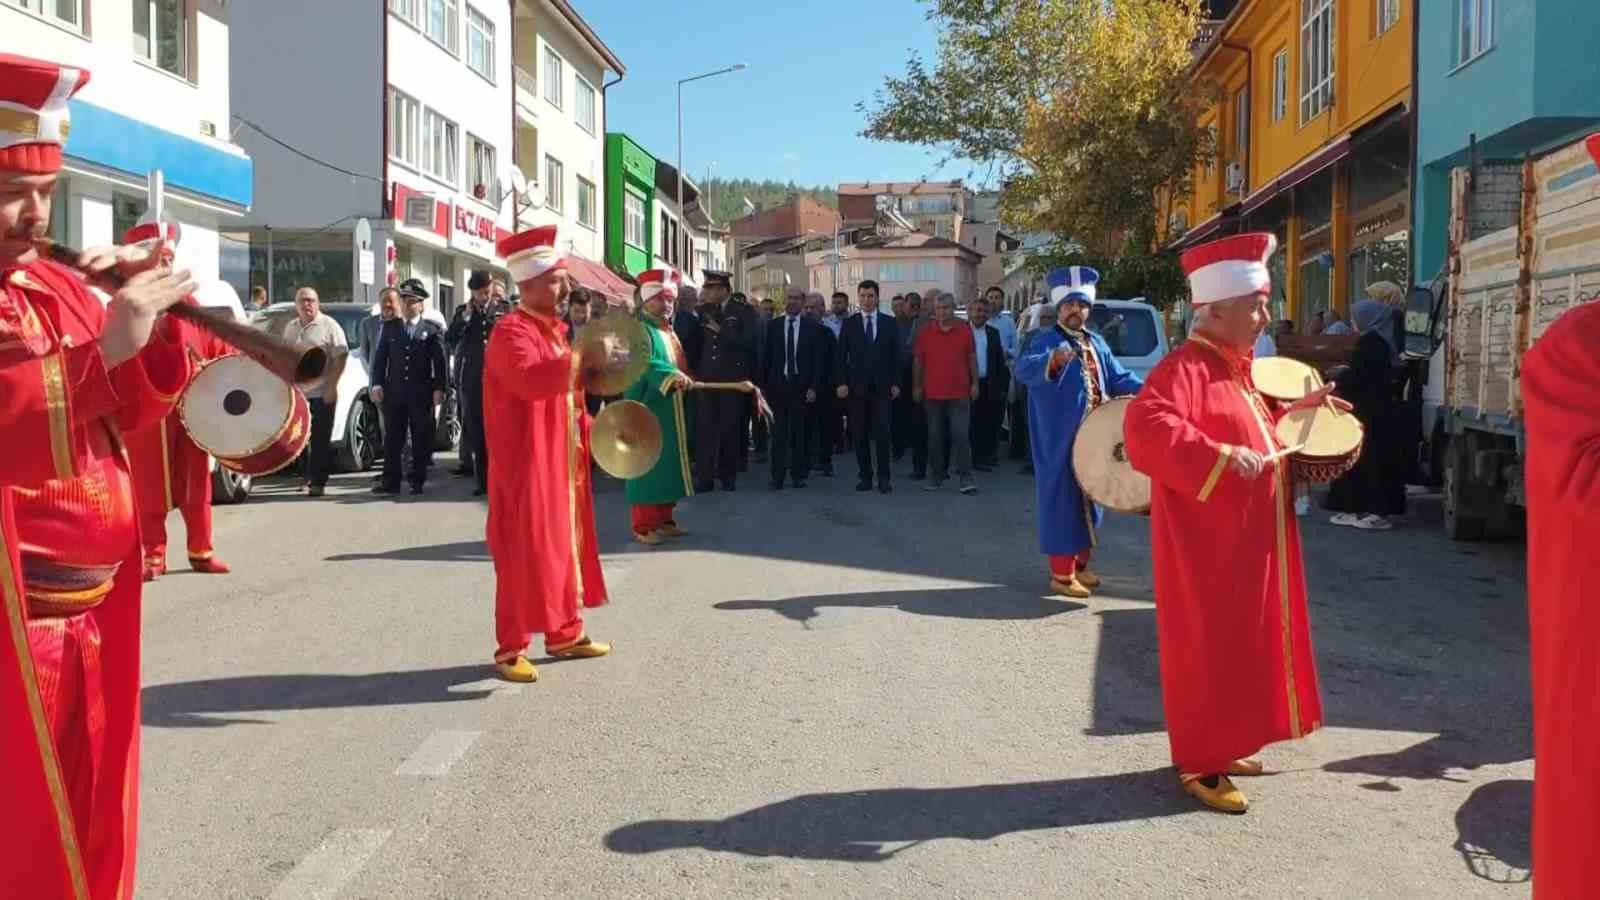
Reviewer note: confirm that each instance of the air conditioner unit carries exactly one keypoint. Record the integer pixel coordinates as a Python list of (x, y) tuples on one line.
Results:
[(1235, 178)]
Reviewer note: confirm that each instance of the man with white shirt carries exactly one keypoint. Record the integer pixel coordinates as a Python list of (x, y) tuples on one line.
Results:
[(313, 328), (791, 378), (408, 380), (866, 372), (994, 384)]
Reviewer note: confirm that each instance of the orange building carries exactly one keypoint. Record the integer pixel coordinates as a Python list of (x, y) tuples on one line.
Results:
[(1313, 136)]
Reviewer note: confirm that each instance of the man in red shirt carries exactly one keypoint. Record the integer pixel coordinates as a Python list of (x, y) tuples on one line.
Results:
[(945, 382)]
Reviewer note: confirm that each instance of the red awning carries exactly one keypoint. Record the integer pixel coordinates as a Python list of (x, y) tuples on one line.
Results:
[(600, 279), (1313, 164)]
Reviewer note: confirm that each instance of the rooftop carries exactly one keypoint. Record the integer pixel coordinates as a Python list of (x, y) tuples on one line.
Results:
[(873, 188)]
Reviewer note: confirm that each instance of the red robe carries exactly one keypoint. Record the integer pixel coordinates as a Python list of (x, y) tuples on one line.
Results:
[(1561, 403), (70, 583), (1237, 671), (541, 504), (170, 471)]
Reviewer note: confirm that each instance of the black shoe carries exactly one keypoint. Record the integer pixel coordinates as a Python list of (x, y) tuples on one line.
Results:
[(416, 489), (744, 465), (775, 485), (983, 468), (799, 482), (898, 454), (918, 476), (729, 486), (461, 471), (760, 458), (827, 472), (314, 490), (1027, 468), (704, 487), (864, 485), (384, 489), (478, 492), (885, 488)]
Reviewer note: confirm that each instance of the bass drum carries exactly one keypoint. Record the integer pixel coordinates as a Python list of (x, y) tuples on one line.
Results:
[(252, 421), (1100, 460)]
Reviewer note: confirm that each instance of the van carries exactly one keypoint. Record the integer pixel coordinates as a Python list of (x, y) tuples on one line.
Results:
[(1132, 329)]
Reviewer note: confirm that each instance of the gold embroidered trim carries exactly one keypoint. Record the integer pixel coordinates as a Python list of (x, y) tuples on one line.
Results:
[(683, 445), (53, 368), (1216, 473), (166, 470)]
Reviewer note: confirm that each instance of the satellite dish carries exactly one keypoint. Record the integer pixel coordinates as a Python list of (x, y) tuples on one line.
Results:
[(528, 195), (519, 181)]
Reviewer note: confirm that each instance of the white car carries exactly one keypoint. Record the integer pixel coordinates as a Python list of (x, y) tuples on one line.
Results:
[(1133, 331), (357, 438)]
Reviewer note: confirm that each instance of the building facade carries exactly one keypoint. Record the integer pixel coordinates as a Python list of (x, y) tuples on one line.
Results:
[(937, 208), (799, 215), (1312, 132), (157, 99), (420, 117), (900, 264), (630, 188), (1498, 86)]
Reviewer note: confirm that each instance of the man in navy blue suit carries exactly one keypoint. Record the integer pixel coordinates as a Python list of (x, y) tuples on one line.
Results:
[(408, 380), (866, 374)]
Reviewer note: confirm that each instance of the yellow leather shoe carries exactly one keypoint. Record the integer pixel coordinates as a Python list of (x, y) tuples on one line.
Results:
[(519, 670), (583, 649), (1246, 767), (1088, 579), (1070, 588), (649, 538), (1223, 798), (672, 530)]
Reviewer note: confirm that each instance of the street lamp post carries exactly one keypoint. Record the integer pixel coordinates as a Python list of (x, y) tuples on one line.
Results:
[(683, 220)]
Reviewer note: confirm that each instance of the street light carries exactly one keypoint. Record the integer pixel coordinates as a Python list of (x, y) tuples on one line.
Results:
[(683, 220)]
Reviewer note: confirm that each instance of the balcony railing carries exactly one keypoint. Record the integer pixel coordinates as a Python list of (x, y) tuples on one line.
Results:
[(527, 88)]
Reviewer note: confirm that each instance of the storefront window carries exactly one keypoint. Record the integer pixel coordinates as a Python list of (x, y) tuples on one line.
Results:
[(1383, 260), (1316, 288), (320, 260)]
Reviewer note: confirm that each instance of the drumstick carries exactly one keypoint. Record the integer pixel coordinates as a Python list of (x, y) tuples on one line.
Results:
[(1276, 455)]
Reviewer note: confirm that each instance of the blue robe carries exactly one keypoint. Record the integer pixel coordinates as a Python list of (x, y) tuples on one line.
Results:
[(1056, 407)]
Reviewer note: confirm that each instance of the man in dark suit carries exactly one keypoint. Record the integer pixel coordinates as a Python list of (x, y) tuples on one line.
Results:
[(819, 427), (994, 383), (727, 353), (866, 373), (792, 377), (468, 335), (408, 379)]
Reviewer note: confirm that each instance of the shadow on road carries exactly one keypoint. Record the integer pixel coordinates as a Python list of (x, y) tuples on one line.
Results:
[(992, 603), (204, 704), (1492, 830), (461, 551), (861, 826)]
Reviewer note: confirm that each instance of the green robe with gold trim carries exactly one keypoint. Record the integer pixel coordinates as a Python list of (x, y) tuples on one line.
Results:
[(669, 481)]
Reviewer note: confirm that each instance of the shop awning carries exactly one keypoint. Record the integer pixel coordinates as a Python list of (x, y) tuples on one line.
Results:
[(1206, 229), (1302, 171), (600, 279)]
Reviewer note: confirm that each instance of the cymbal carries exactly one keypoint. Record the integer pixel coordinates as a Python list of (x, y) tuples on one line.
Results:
[(626, 439), (612, 353)]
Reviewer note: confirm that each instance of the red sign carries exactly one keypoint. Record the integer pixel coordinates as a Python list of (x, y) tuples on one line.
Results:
[(441, 211), (471, 223)]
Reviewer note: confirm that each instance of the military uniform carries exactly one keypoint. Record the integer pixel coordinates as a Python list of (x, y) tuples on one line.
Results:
[(726, 354), (468, 336), (408, 365)]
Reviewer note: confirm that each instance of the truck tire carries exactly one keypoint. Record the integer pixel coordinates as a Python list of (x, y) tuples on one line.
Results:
[(1460, 521)]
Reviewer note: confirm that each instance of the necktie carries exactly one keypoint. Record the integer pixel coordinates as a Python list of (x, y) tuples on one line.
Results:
[(872, 328), (791, 367)]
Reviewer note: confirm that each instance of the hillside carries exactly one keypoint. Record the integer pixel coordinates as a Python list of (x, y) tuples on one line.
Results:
[(727, 195)]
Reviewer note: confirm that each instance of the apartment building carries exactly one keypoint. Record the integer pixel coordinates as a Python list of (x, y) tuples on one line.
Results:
[(410, 114), (798, 215), (157, 99), (937, 208), (1313, 131), (900, 263)]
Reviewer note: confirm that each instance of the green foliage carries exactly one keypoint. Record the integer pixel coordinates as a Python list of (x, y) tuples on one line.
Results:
[(1155, 276), (727, 195)]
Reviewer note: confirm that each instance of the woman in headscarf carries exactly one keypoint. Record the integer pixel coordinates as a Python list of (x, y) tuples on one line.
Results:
[(1375, 489)]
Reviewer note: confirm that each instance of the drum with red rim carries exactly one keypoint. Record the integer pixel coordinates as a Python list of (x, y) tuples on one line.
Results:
[(251, 420)]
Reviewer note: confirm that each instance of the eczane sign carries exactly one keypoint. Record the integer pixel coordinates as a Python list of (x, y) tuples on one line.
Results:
[(472, 233)]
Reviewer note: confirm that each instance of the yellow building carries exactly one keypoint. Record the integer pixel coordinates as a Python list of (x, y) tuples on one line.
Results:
[(1312, 124)]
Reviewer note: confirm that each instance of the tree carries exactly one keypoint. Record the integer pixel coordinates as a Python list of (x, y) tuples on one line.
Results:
[(1087, 107), (728, 195)]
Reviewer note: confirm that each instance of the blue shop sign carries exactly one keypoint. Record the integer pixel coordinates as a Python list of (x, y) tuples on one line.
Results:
[(115, 141)]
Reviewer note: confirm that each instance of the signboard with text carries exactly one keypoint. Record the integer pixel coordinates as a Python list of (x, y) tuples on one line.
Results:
[(472, 233)]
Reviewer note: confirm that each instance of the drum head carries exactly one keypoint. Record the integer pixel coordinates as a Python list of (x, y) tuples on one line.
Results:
[(1282, 378), (1101, 462), (234, 407), (1325, 432)]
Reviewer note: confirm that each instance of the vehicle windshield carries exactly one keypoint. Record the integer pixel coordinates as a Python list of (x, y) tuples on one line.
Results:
[(348, 317), (1128, 332)]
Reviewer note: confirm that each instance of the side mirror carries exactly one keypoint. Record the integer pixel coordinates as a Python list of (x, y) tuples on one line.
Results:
[(1423, 320)]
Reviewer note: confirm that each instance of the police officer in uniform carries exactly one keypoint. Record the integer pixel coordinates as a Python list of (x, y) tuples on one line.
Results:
[(468, 336), (408, 380), (727, 353)]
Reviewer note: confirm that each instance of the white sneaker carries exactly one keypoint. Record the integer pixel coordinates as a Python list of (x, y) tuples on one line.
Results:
[(1302, 506), (1343, 519), (1373, 522)]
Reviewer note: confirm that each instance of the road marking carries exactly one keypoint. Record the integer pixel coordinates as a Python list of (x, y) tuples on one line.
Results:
[(325, 870), (438, 753)]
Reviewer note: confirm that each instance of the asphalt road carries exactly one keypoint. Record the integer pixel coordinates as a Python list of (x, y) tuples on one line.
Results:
[(818, 693)]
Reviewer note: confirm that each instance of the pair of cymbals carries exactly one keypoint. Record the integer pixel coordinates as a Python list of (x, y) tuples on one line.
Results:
[(626, 439), (613, 352)]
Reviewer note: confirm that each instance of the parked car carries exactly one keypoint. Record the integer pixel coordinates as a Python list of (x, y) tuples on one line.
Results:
[(1132, 329), (357, 429)]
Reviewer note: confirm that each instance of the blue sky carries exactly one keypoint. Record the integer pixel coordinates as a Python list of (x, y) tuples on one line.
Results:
[(791, 114)]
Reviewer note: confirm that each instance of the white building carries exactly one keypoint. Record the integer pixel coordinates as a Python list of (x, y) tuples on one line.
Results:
[(687, 241), (411, 120), (157, 98)]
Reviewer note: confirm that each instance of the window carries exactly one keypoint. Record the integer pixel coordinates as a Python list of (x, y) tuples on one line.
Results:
[(440, 147), (480, 43), (1280, 84), (1388, 14), (586, 197), (1476, 34), (480, 168), (405, 9), (633, 219), (403, 115), (161, 34), (854, 273), (66, 12), (927, 271), (552, 77), (585, 109), (1241, 124), (1316, 58), (439, 18), (554, 191), (891, 272), (1211, 162), (1130, 334), (666, 237)]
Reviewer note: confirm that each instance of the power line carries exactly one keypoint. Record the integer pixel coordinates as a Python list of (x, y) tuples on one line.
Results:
[(301, 153)]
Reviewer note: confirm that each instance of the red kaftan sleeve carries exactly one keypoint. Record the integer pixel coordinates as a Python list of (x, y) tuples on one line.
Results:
[(527, 364), (1560, 381), (1163, 441), (149, 384)]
